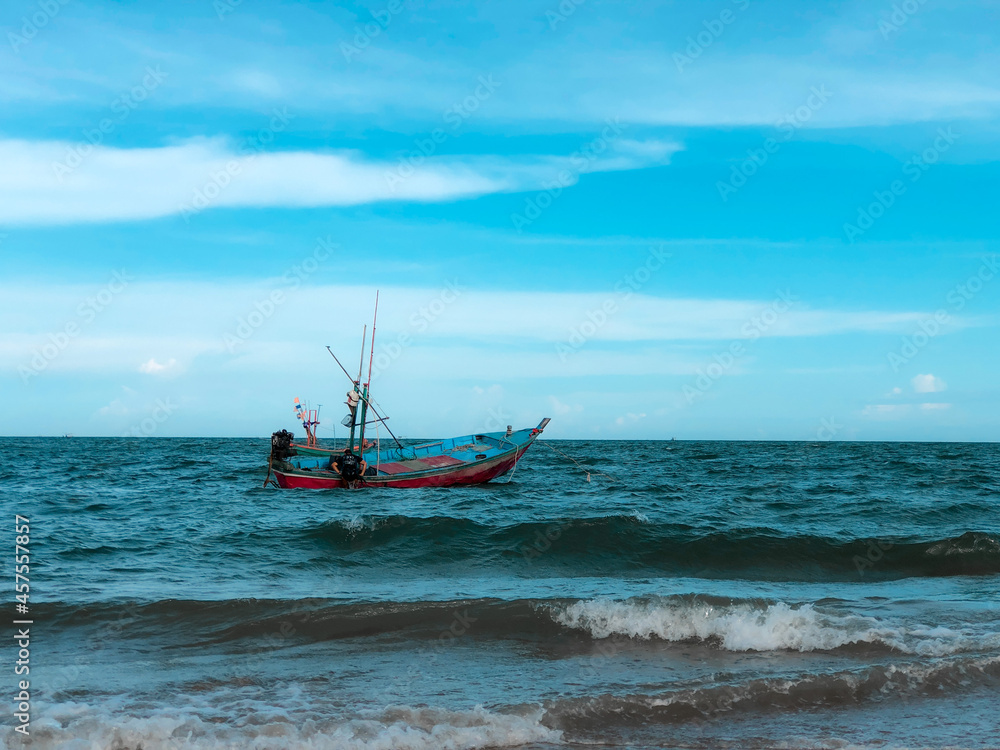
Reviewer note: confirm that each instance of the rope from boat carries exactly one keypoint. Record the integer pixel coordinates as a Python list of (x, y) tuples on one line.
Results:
[(516, 456), (268, 477), (588, 471)]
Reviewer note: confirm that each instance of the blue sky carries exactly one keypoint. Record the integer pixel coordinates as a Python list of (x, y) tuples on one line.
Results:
[(728, 219)]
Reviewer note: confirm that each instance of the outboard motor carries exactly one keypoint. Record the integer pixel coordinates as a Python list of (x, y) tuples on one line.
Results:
[(349, 466), (281, 444)]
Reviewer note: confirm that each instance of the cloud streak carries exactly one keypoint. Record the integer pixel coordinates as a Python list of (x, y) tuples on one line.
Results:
[(769, 60), (477, 323), (112, 184)]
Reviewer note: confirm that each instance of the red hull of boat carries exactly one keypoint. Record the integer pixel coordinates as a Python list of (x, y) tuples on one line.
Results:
[(471, 474)]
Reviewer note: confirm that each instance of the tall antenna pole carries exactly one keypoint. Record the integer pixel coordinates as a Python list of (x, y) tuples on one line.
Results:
[(365, 391), (371, 358), (357, 385), (361, 364)]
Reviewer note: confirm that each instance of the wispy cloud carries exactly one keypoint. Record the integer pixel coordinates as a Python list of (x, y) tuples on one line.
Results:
[(141, 183), (746, 79), (928, 384), (152, 367), (935, 407), (533, 322)]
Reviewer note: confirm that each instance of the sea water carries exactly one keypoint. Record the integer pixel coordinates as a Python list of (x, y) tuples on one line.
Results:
[(702, 594)]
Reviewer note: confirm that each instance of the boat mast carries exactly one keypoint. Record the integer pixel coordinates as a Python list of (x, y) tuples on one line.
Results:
[(357, 386), (370, 405), (367, 385)]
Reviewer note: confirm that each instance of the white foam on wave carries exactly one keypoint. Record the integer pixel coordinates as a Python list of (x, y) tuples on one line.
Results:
[(357, 523), (77, 725), (755, 627)]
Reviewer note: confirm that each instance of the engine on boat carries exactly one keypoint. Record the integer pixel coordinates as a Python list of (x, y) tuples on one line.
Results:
[(281, 444)]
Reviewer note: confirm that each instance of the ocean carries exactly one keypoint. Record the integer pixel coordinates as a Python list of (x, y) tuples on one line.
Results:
[(702, 595)]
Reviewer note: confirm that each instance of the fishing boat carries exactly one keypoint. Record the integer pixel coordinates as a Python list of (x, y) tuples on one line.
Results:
[(468, 459)]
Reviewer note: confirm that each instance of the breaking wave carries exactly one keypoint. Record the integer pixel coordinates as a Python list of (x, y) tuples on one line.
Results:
[(274, 728), (718, 622), (757, 626)]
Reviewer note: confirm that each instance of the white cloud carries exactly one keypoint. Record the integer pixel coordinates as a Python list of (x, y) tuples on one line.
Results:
[(561, 409), (203, 313), (141, 183), (928, 384), (630, 418), (612, 60), (886, 410), (466, 333), (891, 411), (152, 367), (115, 409)]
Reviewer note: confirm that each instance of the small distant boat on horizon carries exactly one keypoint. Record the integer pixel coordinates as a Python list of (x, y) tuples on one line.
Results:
[(468, 459)]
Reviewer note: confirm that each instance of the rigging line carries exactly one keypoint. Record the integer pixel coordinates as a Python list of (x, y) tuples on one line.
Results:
[(383, 419), (372, 402), (585, 469), (366, 400)]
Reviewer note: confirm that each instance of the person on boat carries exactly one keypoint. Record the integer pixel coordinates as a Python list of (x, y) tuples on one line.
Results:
[(349, 465), (353, 397)]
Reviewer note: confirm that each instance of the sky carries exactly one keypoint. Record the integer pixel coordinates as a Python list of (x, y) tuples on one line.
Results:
[(730, 219)]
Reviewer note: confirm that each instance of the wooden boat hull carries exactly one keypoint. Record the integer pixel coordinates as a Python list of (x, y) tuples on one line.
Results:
[(429, 465)]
